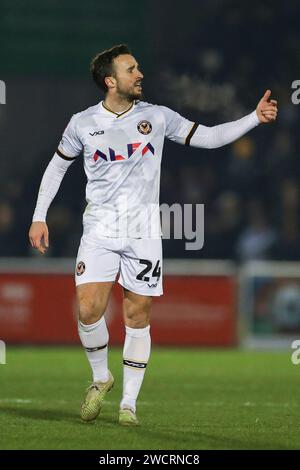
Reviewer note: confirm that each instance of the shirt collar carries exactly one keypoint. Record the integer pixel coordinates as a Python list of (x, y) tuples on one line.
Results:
[(118, 115)]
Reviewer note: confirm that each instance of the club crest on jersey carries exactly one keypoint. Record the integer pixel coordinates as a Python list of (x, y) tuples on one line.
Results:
[(80, 268), (144, 127)]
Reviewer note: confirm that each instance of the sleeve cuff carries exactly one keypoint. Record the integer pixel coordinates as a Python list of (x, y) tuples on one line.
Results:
[(255, 117), (37, 218)]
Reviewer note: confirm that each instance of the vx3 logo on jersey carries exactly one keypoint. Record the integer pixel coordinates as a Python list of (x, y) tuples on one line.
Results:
[(152, 285), (131, 148), (96, 133)]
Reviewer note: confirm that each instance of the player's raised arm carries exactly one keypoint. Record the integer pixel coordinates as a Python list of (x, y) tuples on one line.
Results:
[(51, 181), (184, 131)]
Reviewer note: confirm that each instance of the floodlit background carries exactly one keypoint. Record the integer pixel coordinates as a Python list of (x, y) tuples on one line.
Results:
[(211, 61)]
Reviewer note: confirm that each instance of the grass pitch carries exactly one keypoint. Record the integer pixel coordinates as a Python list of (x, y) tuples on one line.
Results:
[(191, 399)]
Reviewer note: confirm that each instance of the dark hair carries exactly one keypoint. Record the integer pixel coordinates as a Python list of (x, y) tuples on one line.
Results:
[(102, 64)]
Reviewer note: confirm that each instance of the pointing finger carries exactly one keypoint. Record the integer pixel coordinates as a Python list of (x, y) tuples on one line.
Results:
[(267, 95)]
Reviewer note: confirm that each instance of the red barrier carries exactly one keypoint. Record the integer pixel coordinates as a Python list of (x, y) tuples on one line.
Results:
[(195, 310)]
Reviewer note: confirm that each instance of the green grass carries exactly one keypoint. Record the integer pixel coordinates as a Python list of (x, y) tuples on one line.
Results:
[(191, 399)]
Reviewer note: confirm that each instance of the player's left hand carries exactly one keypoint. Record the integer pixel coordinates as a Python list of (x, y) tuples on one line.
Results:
[(267, 110)]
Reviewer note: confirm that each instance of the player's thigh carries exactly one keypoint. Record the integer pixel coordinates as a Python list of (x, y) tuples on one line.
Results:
[(97, 260), (136, 309), (97, 266), (141, 267)]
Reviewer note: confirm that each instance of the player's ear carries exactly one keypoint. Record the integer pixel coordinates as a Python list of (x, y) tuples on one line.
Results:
[(110, 82)]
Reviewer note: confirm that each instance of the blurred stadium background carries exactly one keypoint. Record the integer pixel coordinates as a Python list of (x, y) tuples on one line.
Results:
[(211, 61), (211, 66)]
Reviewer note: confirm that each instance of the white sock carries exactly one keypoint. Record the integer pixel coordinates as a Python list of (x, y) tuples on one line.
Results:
[(136, 353), (94, 339)]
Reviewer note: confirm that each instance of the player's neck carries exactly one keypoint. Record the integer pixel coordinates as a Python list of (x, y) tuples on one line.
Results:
[(117, 104)]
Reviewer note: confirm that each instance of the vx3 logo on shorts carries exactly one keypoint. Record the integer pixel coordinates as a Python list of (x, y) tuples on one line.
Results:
[(96, 133), (152, 285), (131, 148)]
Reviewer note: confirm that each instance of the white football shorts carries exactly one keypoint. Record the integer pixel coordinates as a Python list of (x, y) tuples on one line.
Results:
[(138, 261)]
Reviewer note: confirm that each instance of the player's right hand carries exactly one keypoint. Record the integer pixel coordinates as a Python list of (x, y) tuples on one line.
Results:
[(39, 236), (267, 110)]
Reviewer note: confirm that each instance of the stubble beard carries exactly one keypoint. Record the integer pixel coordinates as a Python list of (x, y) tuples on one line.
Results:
[(129, 95)]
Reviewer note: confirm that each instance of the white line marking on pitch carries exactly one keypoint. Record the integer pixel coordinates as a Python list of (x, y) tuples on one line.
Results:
[(247, 404), (14, 400)]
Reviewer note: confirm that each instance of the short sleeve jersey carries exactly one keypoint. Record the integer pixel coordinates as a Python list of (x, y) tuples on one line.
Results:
[(122, 159)]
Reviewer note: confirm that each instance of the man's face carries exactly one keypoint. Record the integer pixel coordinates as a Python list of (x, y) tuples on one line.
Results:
[(128, 77)]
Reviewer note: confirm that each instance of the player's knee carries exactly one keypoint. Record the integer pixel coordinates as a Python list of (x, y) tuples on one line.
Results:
[(139, 321), (90, 311), (138, 315)]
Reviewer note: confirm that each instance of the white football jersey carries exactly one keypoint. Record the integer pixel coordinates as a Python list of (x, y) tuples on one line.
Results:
[(122, 158)]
